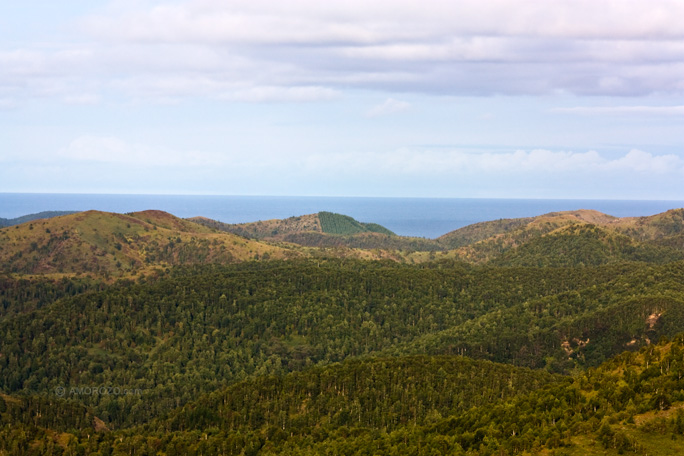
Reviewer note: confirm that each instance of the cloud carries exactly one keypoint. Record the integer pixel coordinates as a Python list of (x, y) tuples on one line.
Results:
[(623, 110), (82, 99), (389, 106), (113, 150), (410, 162), (261, 51), (355, 21), (272, 93), (644, 162)]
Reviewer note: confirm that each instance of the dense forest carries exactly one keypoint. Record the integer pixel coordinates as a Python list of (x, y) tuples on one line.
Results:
[(569, 343)]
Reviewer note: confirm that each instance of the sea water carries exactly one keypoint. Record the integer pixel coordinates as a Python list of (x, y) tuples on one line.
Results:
[(424, 217)]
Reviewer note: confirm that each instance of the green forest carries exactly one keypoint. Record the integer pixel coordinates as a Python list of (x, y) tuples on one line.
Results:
[(570, 343)]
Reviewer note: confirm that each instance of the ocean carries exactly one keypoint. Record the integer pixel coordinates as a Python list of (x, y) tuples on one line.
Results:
[(423, 217)]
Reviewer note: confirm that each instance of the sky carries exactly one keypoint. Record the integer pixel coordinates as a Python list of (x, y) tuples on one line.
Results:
[(468, 98)]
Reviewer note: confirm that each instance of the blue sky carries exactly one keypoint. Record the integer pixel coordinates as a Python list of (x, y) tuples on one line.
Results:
[(475, 98)]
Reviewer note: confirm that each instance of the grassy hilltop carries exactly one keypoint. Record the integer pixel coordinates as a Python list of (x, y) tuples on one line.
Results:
[(108, 243)]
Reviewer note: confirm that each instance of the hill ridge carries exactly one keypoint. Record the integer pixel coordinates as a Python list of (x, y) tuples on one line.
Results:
[(108, 243), (101, 242), (4, 222)]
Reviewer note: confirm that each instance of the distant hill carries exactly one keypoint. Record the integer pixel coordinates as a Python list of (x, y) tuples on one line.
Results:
[(570, 238), (332, 223), (584, 245), (103, 243), (267, 228), (322, 222), (31, 217), (109, 243), (658, 238), (325, 230)]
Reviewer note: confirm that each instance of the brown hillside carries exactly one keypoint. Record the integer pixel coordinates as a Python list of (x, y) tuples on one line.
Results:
[(108, 243)]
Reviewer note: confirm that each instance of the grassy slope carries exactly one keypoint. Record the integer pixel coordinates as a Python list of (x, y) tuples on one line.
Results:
[(653, 228), (266, 229), (108, 243), (323, 223)]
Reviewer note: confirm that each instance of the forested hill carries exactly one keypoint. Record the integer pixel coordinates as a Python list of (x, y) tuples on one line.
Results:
[(215, 351), (631, 404)]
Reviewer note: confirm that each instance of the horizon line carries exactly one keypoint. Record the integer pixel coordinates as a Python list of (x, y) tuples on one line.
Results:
[(345, 196)]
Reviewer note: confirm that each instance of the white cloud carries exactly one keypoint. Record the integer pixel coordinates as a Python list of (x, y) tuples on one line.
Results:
[(272, 93), (623, 110), (112, 150), (527, 164), (389, 106), (82, 99), (644, 162)]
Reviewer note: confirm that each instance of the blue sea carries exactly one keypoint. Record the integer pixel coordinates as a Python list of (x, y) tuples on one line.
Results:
[(424, 217)]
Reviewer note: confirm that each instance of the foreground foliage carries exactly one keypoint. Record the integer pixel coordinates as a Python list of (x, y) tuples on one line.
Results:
[(414, 405)]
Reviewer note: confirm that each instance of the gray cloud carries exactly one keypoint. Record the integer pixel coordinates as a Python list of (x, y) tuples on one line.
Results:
[(307, 50)]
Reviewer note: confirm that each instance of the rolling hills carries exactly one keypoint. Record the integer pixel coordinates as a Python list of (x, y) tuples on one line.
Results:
[(560, 334), (555, 239), (325, 230), (99, 243)]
